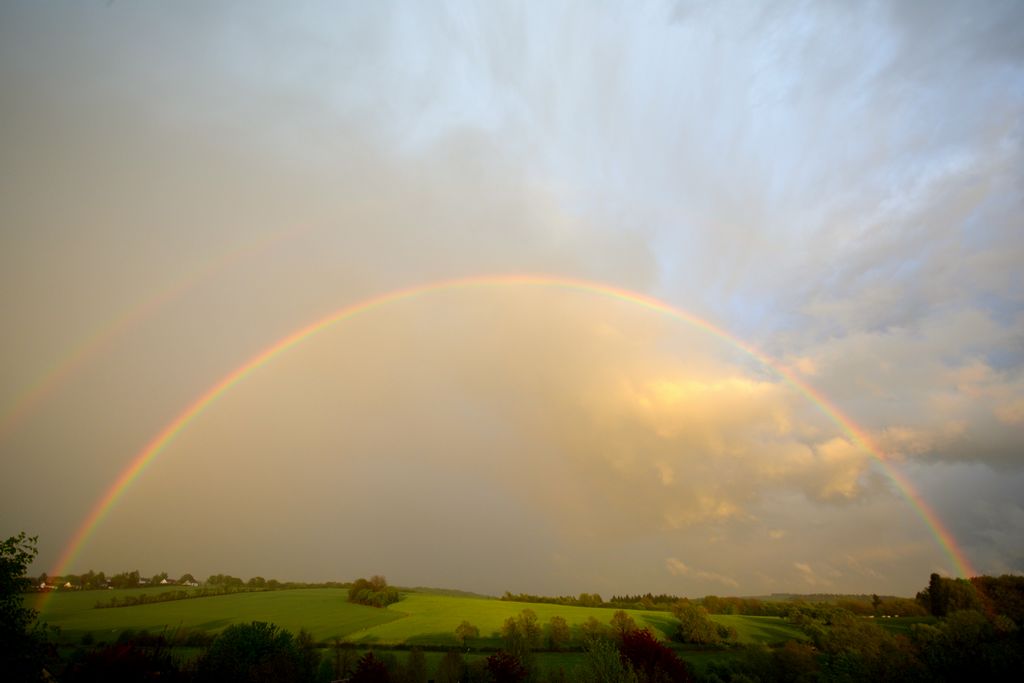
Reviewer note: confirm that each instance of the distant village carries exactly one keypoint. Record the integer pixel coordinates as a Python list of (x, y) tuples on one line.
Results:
[(98, 581)]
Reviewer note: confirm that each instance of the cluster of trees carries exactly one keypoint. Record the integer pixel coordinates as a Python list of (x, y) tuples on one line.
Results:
[(695, 626), (374, 592), (582, 600), (943, 596), (976, 636), (617, 652), (866, 605)]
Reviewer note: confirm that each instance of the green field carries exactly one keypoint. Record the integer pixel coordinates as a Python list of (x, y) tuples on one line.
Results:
[(325, 612), (420, 618)]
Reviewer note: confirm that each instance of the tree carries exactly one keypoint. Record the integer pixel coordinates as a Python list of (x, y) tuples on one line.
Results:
[(694, 624), (225, 580), (309, 656), (22, 646), (369, 669), (465, 631), (603, 664), (651, 660), (937, 597), (374, 592), (125, 579), (16, 553), (187, 578), (622, 624), (521, 634), (558, 632), (253, 653), (416, 667), (592, 629), (451, 667), (1002, 595), (343, 660), (505, 667)]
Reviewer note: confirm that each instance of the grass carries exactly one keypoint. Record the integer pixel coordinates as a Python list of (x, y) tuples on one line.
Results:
[(325, 612), (427, 619), (768, 630), (431, 619)]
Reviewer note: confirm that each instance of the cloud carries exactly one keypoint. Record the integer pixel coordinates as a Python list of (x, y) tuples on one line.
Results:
[(814, 578), (837, 186), (678, 568)]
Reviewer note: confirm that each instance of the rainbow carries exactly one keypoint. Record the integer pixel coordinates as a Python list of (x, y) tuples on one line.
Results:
[(159, 442), (33, 396)]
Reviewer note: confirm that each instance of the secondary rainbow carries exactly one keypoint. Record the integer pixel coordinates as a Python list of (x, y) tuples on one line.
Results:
[(172, 429), (61, 371)]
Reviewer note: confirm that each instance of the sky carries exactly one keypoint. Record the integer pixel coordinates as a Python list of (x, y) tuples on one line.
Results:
[(837, 187)]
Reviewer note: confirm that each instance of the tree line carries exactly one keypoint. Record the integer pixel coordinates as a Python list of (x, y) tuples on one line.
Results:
[(863, 605)]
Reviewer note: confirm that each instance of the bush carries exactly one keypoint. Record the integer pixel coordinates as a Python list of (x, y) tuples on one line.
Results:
[(369, 669), (252, 653), (128, 661), (505, 668), (651, 660)]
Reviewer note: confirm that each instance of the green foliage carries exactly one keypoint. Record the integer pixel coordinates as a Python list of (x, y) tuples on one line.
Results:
[(125, 579), (23, 648), (794, 662), (967, 645), (145, 599), (621, 624), (603, 664), (559, 634), (16, 553), (943, 596), (1002, 595), (592, 629), (695, 626), (127, 661), (416, 667), (465, 631), (255, 652), (373, 592), (225, 580), (309, 655), (451, 668), (522, 634), (342, 660)]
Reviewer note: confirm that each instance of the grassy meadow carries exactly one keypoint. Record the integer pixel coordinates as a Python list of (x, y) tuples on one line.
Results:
[(420, 618)]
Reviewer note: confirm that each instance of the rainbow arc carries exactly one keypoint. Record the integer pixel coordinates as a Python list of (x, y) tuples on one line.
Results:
[(137, 466)]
